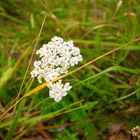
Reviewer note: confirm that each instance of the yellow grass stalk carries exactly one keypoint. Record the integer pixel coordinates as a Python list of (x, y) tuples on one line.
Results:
[(40, 87)]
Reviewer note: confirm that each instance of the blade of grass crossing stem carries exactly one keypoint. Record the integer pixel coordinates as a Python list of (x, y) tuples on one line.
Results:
[(38, 88), (17, 115)]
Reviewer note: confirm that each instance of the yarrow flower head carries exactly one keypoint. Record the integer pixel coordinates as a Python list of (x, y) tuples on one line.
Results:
[(55, 58)]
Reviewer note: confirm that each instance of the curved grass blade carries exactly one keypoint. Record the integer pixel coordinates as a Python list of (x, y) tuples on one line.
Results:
[(113, 68)]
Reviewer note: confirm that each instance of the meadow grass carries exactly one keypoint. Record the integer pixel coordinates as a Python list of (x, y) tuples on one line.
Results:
[(104, 92)]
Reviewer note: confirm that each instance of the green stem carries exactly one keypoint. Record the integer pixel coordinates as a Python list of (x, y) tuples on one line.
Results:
[(15, 121), (17, 116)]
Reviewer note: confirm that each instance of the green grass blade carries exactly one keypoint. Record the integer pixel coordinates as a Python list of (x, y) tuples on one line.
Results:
[(113, 68)]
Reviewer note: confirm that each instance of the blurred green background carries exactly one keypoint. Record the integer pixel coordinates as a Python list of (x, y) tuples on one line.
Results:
[(104, 101)]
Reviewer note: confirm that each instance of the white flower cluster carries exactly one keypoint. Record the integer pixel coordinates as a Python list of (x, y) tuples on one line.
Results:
[(56, 57)]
